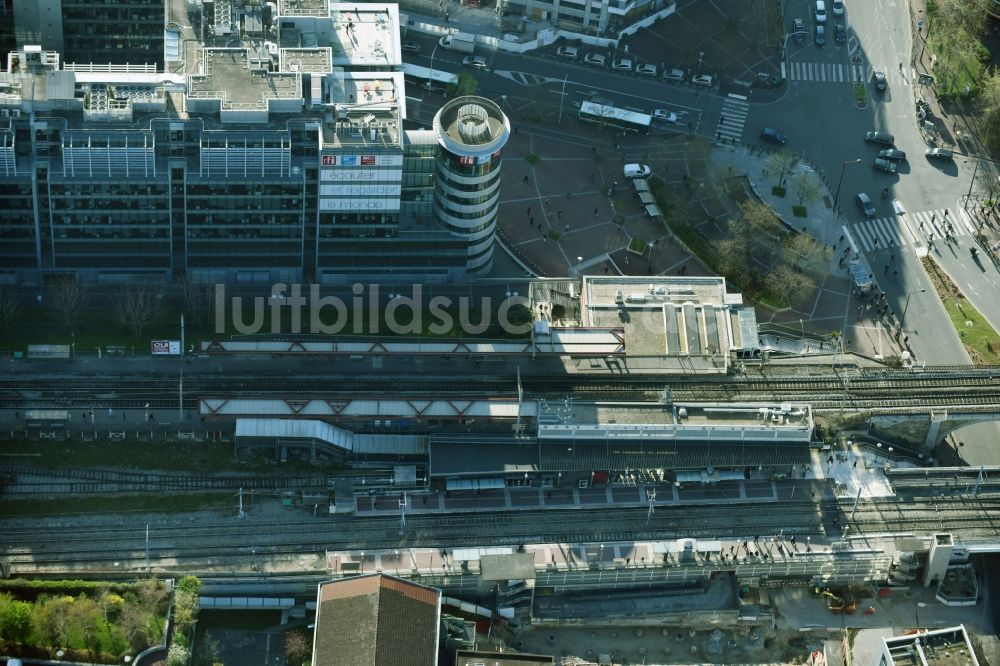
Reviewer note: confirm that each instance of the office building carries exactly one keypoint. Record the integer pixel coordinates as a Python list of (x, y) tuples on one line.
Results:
[(85, 31), (280, 158), (591, 17)]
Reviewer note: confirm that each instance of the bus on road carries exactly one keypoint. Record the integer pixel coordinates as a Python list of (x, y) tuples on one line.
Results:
[(609, 116), (429, 79)]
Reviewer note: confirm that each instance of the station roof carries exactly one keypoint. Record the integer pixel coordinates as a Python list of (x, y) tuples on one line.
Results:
[(456, 456), (479, 658), (644, 454), (450, 457)]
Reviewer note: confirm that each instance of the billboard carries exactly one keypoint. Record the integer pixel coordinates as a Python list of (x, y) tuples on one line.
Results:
[(166, 347)]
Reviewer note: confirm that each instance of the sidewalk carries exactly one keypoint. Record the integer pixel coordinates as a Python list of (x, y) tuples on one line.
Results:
[(834, 306)]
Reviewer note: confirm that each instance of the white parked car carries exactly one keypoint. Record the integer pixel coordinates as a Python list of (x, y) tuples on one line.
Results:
[(646, 69), (622, 65), (637, 171), (702, 80), (567, 52), (664, 116), (595, 59)]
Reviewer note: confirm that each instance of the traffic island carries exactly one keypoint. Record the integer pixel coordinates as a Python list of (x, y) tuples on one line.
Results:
[(860, 95)]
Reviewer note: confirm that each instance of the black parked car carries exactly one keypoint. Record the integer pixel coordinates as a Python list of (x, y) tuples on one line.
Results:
[(880, 137), (892, 154)]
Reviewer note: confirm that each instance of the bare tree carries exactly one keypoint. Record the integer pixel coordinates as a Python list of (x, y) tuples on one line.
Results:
[(10, 309), (806, 188), (137, 306), (803, 250), (734, 254), (297, 647), (788, 285), (781, 164), (198, 301), (68, 298), (760, 217)]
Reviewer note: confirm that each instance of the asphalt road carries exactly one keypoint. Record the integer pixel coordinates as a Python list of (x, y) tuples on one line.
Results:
[(543, 78)]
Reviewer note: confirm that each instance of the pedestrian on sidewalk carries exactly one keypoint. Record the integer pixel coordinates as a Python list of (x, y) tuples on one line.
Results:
[(595, 212), (525, 179)]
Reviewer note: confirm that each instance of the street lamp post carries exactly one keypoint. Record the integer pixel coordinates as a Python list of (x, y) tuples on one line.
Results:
[(430, 74), (907, 304), (971, 183), (840, 181), (562, 98)]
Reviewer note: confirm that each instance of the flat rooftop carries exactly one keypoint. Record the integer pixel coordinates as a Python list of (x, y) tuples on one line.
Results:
[(601, 292), (316, 8), (315, 60), (227, 74), (365, 35), (940, 647), (688, 323)]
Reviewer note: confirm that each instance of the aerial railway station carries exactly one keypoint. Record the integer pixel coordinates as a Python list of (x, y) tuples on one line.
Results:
[(500, 442)]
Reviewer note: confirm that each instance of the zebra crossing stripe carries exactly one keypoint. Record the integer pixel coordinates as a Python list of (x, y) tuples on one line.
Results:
[(905, 230)]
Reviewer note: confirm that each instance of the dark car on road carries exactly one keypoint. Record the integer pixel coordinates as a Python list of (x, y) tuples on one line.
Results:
[(892, 154), (880, 81), (884, 138), (938, 154), (884, 165), (839, 33), (411, 47), (799, 30), (772, 135), (820, 35)]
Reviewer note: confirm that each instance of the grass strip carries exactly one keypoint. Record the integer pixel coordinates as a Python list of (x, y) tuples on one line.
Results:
[(979, 338), (105, 504)]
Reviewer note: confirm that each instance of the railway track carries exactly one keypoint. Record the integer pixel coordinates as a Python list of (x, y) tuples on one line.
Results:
[(30, 480), (174, 542), (890, 389)]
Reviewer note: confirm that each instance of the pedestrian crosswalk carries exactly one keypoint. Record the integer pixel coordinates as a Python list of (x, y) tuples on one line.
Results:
[(824, 72), (911, 229), (733, 118)]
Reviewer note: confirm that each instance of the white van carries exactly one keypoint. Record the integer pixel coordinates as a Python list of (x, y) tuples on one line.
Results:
[(820, 11), (637, 171)]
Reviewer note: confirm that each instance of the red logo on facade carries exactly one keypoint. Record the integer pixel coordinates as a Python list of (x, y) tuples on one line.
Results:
[(329, 160), (367, 160)]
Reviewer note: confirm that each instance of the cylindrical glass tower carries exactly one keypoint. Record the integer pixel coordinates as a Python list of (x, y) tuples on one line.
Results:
[(472, 132)]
